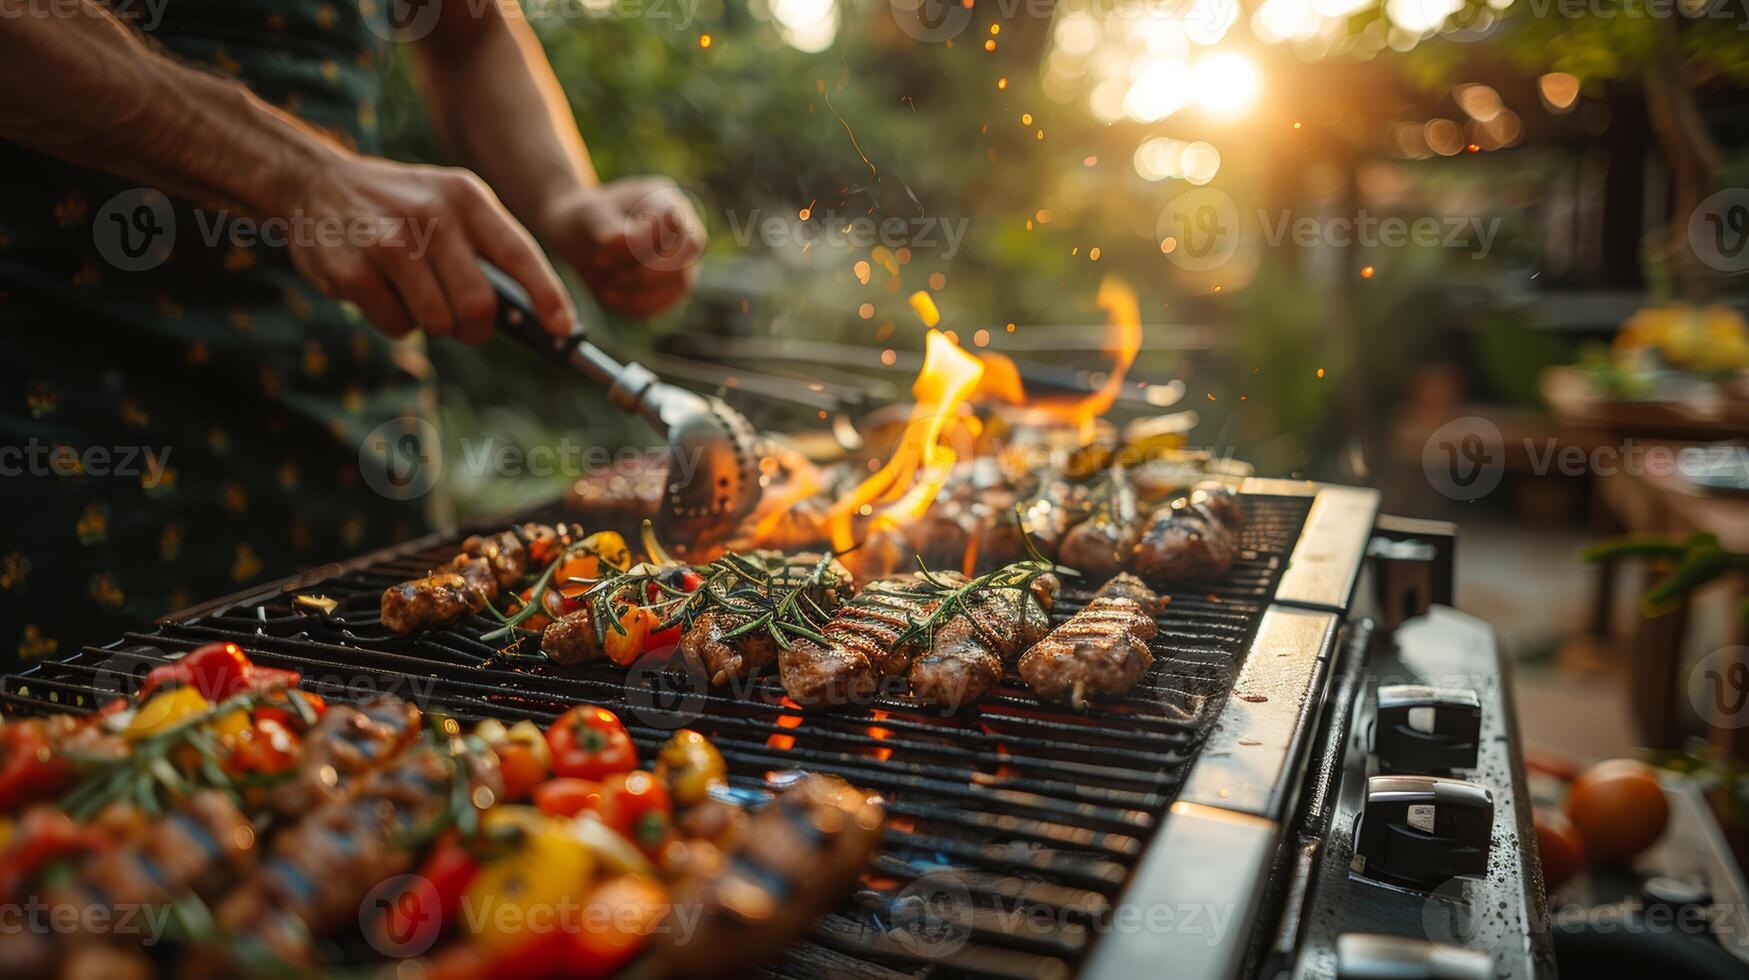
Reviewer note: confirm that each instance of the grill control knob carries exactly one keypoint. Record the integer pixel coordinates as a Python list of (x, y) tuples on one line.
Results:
[(1422, 831), (1426, 729), (1368, 956)]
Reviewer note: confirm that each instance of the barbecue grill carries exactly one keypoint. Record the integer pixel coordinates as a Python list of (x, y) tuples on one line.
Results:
[(1199, 827)]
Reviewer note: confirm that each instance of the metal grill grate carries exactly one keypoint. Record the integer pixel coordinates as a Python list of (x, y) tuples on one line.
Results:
[(1008, 814)]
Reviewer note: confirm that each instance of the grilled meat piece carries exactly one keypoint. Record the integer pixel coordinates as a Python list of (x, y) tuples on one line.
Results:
[(971, 650), (1222, 501), (1127, 586), (1099, 546), (884, 552), (1184, 541), (862, 644), (720, 658), (504, 553), (1101, 652), (799, 856), (1046, 515), (348, 741), (758, 578), (321, 868), (462, 587), (572, 639)]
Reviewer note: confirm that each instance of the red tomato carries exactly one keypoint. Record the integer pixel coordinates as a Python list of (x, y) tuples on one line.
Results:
[(1559, 845), (30, 769), (637, 805), (1619, 808), (521, 767), (590, 743), (566, 797)]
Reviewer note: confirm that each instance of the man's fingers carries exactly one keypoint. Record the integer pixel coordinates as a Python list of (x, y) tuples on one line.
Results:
[(469, 295), (355, 279), (416, 282), (509, 246)]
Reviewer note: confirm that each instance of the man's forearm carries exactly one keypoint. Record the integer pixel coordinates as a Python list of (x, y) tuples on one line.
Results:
[(124, 108), (495, 101)]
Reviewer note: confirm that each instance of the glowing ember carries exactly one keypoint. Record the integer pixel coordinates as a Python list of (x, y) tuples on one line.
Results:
[(920, 464), (778, 740)]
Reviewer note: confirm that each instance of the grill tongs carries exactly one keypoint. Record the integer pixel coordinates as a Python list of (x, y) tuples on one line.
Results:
[(715, 444)]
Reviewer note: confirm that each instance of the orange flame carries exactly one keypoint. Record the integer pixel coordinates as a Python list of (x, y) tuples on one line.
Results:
[(911, 478), (1123, 340)]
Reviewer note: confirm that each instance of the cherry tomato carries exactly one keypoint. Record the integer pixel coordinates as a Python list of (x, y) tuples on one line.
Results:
[(449, 869), (566, 797), (690, 765), (1619, 808), (217, 670), (590, 743), (30, 769), (625, 645), (522, 769), (638, 806), (1559, 845)]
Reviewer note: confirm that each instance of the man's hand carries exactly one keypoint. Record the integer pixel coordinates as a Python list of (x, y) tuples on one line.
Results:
[(635, 241), (412, 237)]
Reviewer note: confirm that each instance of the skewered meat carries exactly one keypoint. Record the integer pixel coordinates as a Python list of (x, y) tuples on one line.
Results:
[(971, 650), (1184, 540), (1101, 652), (322, 868), (347, 742), (1127, 586), (1222, 501), (463, 586), (719, 657), (799, 855), (1100, 545)]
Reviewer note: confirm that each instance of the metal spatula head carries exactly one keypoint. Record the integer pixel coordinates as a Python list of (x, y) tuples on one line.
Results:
[(713, 452)]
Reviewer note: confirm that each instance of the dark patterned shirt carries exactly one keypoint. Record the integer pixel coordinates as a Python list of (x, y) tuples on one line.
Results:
[(182, 421)]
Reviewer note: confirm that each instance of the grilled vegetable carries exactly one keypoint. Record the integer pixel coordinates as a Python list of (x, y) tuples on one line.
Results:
[(690, 765), (590, 743)]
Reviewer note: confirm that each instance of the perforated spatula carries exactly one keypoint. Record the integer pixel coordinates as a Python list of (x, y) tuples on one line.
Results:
[(713, 457)]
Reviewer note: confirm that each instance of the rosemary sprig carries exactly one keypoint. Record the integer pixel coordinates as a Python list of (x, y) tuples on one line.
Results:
[(956, 599), (513, 621)]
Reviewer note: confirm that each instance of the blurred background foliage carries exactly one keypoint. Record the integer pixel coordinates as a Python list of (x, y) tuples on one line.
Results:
[(833, 110)]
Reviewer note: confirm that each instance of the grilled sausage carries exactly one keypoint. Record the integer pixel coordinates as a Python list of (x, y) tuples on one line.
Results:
[(572, 639), (504, 553), (1101, 652), (441, 598), (1127, 586), (971, 650), (321, 868), (1184, 540), (1100, 545), (348, 741), (799, 856)]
